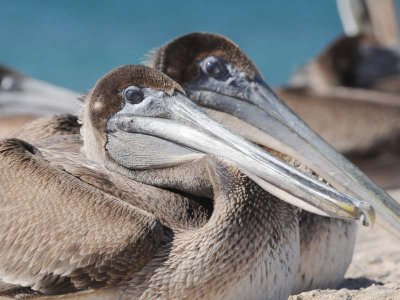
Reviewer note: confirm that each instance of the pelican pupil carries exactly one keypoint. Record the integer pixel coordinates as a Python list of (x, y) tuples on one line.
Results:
[(213, 67), (134, 96)]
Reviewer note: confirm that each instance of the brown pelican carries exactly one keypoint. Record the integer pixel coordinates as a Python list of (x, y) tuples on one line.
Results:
[(349, 86), (358, 62), (23, 99), (60, 233), (217, 75), (352, 84)]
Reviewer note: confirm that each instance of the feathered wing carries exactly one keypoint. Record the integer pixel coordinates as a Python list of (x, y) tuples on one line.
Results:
[(47, 127), (59, 234), (343, 116)]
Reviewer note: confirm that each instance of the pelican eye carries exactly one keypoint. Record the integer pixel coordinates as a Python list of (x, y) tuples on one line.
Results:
[(133, 95), (7, 83), (215, 68)]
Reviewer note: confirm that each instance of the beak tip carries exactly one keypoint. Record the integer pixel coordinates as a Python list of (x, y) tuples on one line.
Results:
[(368, 215)]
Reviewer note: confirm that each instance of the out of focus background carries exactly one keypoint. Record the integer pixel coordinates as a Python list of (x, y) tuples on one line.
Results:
[(349, 93), (73, 43)]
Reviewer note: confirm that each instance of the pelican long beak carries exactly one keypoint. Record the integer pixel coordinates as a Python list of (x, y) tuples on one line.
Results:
[(183, 124), (255, 112), (37, 98)]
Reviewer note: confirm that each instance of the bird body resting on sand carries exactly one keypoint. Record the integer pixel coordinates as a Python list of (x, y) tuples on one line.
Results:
[(217, 75), (144, 212)]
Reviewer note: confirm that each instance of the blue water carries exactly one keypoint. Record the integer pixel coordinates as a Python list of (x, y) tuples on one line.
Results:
[(73, 43)]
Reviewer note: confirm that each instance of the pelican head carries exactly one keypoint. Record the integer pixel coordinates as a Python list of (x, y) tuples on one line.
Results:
[(218, 76), (136, 118), (357, 61), (21, 95)]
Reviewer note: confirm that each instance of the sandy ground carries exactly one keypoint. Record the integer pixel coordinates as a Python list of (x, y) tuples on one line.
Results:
[(376, 256)]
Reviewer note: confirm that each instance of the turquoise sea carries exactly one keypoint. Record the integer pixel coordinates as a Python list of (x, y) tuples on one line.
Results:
[(72, 43)]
